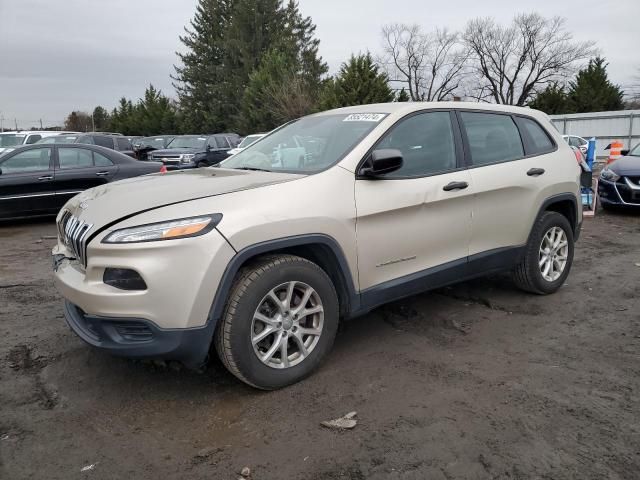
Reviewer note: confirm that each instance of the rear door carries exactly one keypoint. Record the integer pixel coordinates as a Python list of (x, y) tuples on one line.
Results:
[(510, 161), (77, 169), (222, 147), (26, 183)]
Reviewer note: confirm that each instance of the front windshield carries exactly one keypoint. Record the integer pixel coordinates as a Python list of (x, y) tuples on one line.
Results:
[(306, 145), (188, 142), (153, 142), (248, 140), (58, 139), (635, 151), (11, 140)]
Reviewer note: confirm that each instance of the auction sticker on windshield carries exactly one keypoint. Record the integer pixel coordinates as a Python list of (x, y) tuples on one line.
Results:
[(365, 117)]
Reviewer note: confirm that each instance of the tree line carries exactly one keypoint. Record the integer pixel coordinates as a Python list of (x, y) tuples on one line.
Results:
[(251, 65)]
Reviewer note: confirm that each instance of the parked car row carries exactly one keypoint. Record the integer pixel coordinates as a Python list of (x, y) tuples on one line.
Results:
[(36, 180)]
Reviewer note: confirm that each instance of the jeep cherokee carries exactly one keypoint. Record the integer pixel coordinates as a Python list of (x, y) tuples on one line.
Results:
[(327, 217)]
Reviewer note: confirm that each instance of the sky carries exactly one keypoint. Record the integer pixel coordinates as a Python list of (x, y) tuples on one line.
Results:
[(62, 55)]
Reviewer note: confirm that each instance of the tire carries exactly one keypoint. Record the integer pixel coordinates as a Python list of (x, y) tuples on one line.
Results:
[(529, 274), (250, 303), (202, 165)]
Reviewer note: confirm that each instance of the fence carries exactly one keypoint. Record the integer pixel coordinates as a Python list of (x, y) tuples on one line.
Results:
[(623, 125)]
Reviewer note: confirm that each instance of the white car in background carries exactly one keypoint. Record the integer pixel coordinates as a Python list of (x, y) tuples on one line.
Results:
[(246, 141), (576, 141), (9, 141)]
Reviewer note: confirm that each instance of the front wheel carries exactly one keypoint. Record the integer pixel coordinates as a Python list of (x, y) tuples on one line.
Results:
[(279, 322), (548, 255)]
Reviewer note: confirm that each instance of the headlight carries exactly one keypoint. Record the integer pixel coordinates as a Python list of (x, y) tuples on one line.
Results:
[(609, 175), (181, 228), (187, 157)]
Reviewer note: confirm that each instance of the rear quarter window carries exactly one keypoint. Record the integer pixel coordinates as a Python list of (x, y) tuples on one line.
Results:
[(537, 140)]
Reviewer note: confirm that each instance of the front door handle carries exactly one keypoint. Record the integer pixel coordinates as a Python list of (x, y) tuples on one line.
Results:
[(535, 172), (102, 174), (45, 178), (455, 186)]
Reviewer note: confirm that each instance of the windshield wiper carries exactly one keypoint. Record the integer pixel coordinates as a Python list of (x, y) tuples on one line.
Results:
[(253, 169)]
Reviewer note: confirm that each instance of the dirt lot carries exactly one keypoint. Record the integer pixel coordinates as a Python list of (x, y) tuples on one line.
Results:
[(475, 381)]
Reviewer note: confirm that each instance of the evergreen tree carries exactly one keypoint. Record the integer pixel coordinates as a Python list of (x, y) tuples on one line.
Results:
[(101, 119), (154, 114), (201, 80), (402, 96), (276, 94), (592, 91), (552, 100), (359, 82)]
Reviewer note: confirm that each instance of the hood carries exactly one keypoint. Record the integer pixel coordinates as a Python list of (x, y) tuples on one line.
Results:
[(104, 205), (177, 151), (627, 166)]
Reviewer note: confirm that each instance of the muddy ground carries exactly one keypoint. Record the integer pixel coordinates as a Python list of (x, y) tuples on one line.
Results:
[(476, 381)]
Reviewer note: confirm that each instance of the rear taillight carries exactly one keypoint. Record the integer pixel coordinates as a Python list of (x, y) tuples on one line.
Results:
[(163, 169)]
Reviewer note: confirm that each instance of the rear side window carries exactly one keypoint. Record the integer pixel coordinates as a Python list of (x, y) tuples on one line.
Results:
[(492, 137), (103, 141), (101, 161), (74, 158), (33, 139), (123, 144), (538, 140), (222, 142)]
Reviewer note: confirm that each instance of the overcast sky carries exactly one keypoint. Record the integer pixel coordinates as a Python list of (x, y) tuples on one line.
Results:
[(58, 56)]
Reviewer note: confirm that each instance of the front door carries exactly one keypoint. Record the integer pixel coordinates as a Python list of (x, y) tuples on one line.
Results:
[(418, 217), (26, 183)]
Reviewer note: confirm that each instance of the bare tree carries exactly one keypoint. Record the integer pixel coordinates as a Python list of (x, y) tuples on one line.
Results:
[(429, 64), (513, 62)]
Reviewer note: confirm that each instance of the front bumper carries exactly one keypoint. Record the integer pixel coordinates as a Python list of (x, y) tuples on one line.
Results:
[(140, 338), (181, 276), (611, 193)]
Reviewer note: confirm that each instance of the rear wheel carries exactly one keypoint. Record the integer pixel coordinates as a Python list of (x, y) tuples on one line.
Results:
[(202, 165), (280, 321), (548, 255)]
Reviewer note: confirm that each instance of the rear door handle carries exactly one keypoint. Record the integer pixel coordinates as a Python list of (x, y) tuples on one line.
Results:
[(45, 178), (102, 174), (535, 172), (455, 186)]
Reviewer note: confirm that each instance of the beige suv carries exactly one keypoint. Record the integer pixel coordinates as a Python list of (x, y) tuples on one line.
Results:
[(325, 218)]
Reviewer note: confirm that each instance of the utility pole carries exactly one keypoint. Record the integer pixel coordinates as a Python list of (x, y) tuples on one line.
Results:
[(41, 125), (93, 123), (2, 123), (15, 121)]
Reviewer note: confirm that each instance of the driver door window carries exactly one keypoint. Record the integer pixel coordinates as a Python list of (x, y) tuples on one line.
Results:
[(427, 144)]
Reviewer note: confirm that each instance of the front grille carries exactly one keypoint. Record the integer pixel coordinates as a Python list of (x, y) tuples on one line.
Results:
[(73, 232)]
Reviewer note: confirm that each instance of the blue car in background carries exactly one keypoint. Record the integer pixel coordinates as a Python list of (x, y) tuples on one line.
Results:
[(619, 184)]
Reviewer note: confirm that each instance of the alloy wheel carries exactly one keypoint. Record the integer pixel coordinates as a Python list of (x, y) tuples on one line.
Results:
[(554, 251), (287, 325)]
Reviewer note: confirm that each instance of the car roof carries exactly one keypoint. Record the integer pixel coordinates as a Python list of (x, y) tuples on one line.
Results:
[(117, 157), (404, 108)]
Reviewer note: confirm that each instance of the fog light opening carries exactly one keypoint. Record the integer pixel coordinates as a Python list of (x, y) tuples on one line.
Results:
[(123, 279)]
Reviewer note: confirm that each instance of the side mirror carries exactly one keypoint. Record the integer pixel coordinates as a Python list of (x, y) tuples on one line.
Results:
[(0, 171), (208, 147), (382, 161), (624, 153)]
